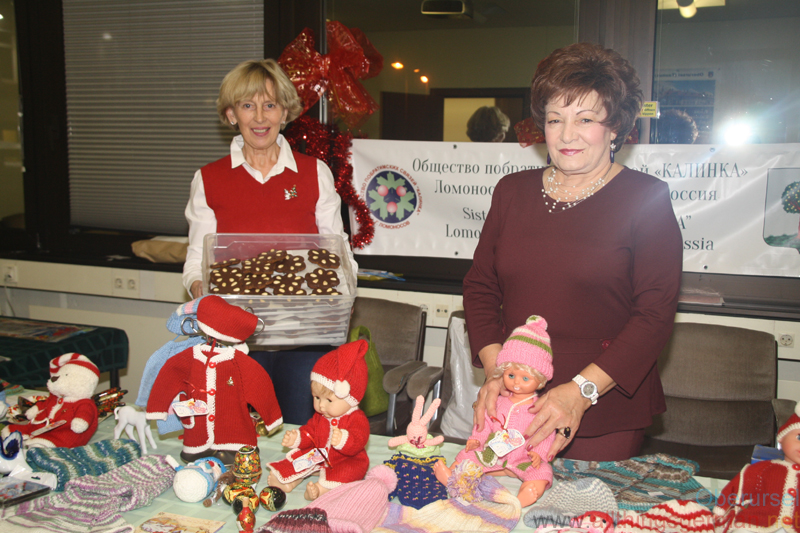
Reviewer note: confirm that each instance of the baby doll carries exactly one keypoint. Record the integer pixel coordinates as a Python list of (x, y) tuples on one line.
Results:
[(525, 364), (763, 497), (332, 442)]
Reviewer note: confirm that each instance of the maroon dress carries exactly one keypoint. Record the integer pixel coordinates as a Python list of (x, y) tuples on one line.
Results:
[(605, 274)]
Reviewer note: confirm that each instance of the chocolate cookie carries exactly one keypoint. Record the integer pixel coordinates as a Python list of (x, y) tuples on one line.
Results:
[(220, 264), (272, 256), (256, 266), (321, 278), (291, 265), (324, 258), (325, 291), (289, 284)]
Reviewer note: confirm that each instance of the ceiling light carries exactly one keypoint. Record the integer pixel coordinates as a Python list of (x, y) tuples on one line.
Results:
[(423, 79), (398, 65), (687, 8)]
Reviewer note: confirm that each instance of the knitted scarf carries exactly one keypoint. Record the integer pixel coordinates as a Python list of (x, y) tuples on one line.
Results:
[(641, 482), (93, 504), (90, 460)]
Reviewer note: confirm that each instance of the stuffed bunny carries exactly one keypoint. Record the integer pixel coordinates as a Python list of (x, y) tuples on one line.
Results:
[(417, 452)]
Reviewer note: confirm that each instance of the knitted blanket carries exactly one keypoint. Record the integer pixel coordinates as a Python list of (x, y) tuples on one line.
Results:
[(93, 504), (90, 460), (498, 512), (641, 482)]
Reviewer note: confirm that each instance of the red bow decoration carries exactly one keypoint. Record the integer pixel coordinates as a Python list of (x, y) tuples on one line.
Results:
[(352, 57)]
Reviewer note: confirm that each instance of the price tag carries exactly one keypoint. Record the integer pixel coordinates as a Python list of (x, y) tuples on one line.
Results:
[(309, 459), (190, 407), (506, 441)]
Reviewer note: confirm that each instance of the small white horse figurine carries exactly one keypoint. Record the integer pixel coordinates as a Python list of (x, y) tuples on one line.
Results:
[(127, 418)]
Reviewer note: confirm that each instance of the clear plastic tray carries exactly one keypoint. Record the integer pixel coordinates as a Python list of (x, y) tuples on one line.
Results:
[(288, 320)]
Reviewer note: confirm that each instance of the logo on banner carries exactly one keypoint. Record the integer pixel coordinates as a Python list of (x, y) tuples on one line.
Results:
[(391, 195)]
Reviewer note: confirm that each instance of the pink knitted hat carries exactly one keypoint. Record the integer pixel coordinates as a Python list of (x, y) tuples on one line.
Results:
[(360, 505), (791, 424), (223, 321), (344, 371), (529, 345), (72, 359)]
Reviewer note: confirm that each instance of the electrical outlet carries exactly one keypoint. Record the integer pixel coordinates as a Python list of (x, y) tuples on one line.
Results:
[(125, 283), (442, 310), (10, 274), (786, 340)]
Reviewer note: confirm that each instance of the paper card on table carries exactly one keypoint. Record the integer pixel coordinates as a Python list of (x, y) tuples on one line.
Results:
[(168, 522), (309, 459)]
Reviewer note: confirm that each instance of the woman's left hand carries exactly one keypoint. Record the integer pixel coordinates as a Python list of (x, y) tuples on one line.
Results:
[(560, 407)]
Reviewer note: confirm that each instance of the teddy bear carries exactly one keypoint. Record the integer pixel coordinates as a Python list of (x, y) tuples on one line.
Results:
[(68, 417)]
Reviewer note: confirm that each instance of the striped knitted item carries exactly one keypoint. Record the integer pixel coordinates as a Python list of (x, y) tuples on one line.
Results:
[(529, 345), (92, 460), (641, 482), (498, 513), (568, 499), (94, 504), (674, 515)]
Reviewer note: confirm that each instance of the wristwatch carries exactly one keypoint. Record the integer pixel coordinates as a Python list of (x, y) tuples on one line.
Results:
[(588, 389)]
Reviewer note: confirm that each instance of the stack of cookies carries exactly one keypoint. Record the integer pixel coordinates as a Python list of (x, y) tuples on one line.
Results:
[(277, 272)]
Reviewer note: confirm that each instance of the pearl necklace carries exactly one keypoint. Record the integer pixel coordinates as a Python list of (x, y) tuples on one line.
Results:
[(550, 190)]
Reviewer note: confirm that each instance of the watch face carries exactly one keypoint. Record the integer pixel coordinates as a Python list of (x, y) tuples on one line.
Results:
[(588, 389)]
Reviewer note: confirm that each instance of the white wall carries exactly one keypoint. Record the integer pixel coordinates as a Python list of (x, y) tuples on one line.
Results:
[(83, 295)]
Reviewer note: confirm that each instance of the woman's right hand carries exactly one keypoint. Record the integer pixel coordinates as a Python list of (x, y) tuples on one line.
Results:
[(491, 389), (197, 289)]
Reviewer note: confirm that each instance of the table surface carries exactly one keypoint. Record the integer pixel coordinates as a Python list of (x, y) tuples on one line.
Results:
[(271, 450)]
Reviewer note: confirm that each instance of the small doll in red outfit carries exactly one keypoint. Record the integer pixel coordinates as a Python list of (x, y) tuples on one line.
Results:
[(332, 442), (763, 497), (526, 364), (68, 417)]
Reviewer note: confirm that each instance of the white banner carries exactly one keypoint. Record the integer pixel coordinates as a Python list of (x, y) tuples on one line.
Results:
[(429, 199)]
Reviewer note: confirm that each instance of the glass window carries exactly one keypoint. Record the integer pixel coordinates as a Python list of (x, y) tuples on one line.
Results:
[(12, 205), (439, 69), (731, 71)]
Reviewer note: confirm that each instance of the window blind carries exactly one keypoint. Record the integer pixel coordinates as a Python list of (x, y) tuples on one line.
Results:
[(142, 81)]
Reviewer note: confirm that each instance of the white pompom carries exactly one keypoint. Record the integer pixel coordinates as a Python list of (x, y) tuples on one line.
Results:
[(341, 389), (797, 408)]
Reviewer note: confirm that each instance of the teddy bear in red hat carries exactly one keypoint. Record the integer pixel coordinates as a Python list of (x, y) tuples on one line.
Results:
[(68, 417), (764, 496), (333, 441)]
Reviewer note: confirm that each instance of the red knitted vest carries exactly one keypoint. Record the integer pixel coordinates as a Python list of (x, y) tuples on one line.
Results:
[(243, 205)]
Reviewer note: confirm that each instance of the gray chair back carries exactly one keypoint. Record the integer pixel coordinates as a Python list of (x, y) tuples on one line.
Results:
[(719, 382), (398, 329)]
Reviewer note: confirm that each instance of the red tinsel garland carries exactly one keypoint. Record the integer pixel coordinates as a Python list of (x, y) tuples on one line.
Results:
[(325, 142)]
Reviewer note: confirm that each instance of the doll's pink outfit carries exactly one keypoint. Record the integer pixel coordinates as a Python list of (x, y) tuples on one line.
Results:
[(511, 416)]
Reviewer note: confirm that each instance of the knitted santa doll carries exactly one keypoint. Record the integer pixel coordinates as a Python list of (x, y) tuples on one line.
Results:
[(216, 382), (763, 497), (68, 417), (332, 442)]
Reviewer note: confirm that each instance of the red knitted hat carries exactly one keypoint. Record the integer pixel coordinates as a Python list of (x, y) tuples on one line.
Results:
[(223, 321), (72, 359), (791, 424), (529, 345), (344, 371)]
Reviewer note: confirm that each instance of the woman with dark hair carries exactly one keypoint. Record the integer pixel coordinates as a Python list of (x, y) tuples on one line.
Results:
[(594, 248), (488, 124)]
